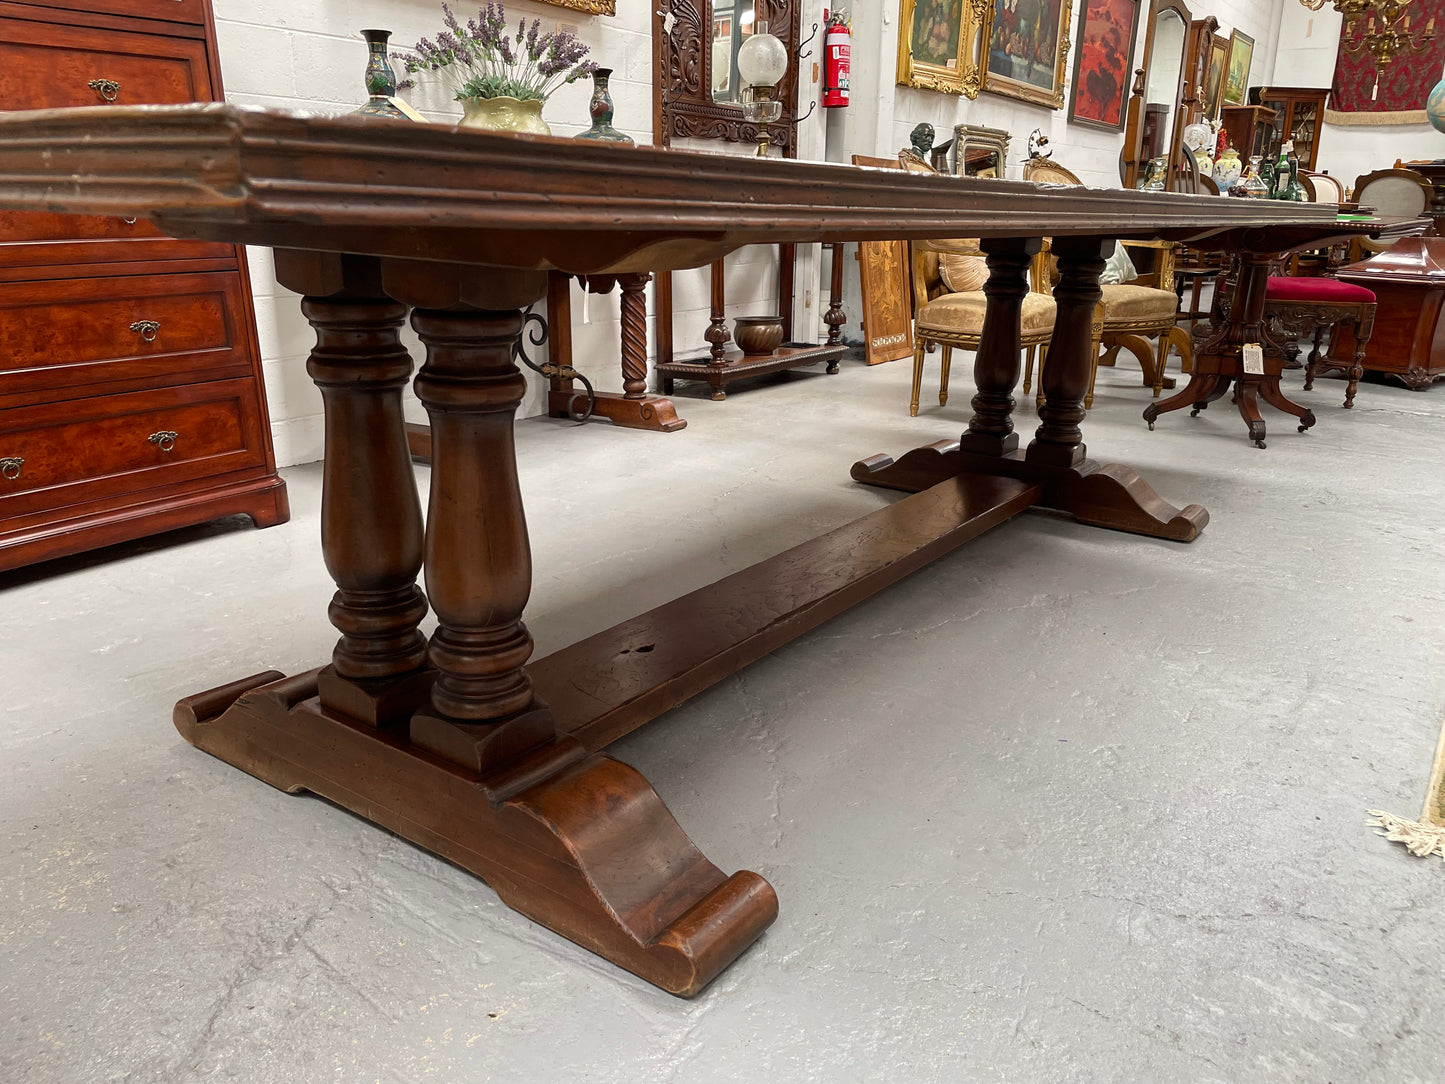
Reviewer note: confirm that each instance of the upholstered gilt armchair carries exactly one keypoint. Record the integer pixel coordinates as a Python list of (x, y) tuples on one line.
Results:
[(1135, 317), (949, 306)]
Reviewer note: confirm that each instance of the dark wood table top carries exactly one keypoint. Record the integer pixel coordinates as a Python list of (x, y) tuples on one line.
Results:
[(363, 185)]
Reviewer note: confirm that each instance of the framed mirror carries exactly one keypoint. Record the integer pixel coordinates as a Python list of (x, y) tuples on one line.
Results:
[(697, 93), (1156, 109), (979, 151), (732, 23)]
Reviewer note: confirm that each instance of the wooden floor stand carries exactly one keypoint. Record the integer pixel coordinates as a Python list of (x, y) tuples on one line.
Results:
[(733, 365), (633, 408), (455, 741)]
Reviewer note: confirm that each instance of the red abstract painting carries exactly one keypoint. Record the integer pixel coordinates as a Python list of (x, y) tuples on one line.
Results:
[(1103, 49)]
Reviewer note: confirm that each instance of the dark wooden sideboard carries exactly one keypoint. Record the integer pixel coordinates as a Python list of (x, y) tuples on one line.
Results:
[(131, 398), (1408, 342), (462, 743)]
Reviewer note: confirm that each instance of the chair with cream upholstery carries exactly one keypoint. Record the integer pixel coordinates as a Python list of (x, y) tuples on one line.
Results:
[(1133, 315), (949, 303), (1396, 192), (949, 307), (1321, 187)]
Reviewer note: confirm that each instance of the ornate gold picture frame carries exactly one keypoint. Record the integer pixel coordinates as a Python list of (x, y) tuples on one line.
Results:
[(1025, 59), (939, 43), (591, 7)]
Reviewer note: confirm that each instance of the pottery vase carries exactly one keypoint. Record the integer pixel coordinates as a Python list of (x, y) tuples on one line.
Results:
[(504, 115), (380, 79), (758, 335), (601, 110), (1227, 169)]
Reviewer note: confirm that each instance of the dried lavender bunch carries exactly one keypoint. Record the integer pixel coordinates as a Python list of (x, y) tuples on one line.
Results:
[(479, 60)]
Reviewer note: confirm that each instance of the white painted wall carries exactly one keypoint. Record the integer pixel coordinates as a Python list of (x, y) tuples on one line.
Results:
[(1308, 41), (306, 54)]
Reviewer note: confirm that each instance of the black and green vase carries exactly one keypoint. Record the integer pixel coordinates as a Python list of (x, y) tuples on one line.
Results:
[(601, 110), (380, 79)]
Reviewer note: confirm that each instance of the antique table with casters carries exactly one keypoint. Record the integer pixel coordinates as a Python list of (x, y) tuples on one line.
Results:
[(461, 744)]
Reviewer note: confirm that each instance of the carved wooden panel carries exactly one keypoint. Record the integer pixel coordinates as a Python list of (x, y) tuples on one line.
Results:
[(682, 101), (887, 312)]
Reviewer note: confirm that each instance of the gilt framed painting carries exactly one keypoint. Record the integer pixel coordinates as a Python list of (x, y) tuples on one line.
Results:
[(590, 7), (1103, 50), (1236, 72), (938, 45), (1028, 47), (1214, 75)]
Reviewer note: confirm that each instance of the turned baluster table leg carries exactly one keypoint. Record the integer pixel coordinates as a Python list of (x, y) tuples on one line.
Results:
[(371, 526), (835, 317), (996, 366), (1101, 494), (1364, 328), (1058, 442), (575, 840), (478, 559), (717, 330)]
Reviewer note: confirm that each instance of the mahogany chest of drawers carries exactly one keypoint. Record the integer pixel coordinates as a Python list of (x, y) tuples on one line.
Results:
[(131, 398)]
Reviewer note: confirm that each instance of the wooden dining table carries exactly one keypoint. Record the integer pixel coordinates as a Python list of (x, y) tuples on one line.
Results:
[(461, 742)]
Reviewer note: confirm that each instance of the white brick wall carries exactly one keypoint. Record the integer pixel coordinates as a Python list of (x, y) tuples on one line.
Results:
[(306, 54)]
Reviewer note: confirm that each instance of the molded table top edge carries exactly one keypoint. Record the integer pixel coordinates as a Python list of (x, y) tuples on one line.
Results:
[(389, 188)]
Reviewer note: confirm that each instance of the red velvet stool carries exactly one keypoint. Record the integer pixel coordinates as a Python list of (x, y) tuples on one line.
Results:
[(1297, 306)]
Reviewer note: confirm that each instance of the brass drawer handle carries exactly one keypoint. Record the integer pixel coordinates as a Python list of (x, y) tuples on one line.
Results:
[(10, 467), (106, 88), (165, 440), (146, 329)]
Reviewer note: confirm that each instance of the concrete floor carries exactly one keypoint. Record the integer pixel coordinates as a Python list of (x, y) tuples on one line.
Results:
[(1067, 805)]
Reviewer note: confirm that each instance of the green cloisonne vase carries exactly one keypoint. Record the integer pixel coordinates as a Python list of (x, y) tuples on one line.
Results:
[(601, 110), (380, 79)]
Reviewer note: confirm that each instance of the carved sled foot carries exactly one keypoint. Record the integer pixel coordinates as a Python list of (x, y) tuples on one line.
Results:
[(578, 842), (652, 413), (1115, 496), (1099, 494), (919, 469)]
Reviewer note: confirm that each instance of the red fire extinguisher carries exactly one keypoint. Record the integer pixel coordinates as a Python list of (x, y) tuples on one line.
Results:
[(838, 49)]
